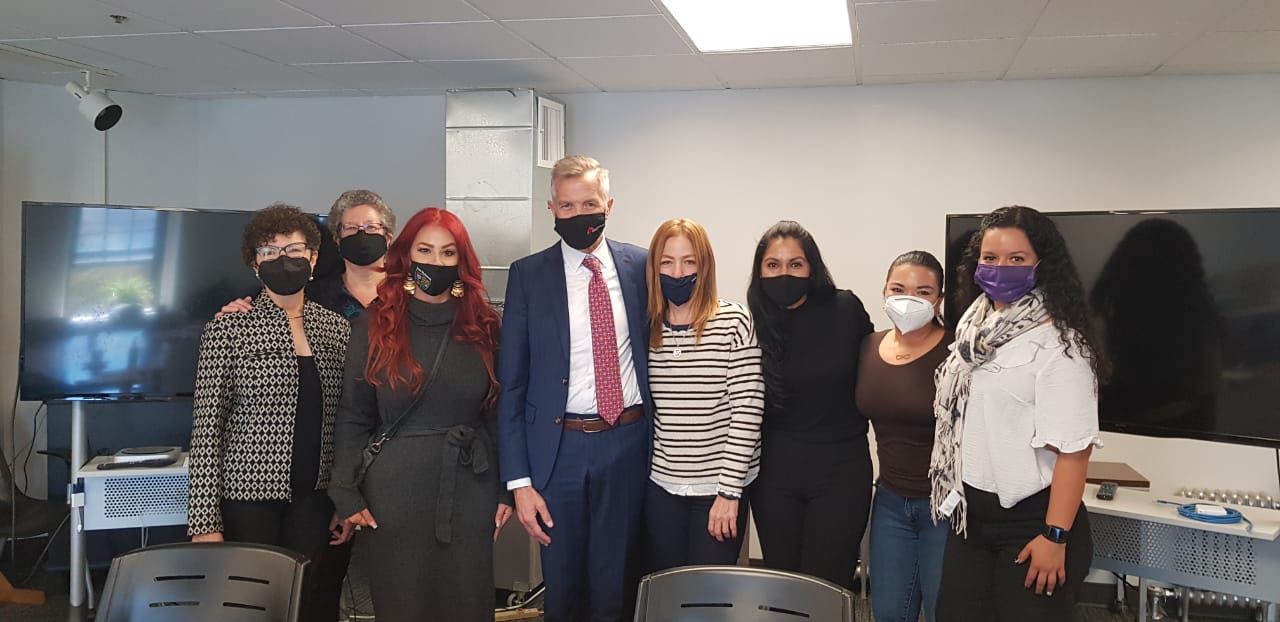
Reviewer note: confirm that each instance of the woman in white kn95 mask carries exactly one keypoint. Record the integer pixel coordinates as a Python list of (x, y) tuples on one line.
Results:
[(895, 391)]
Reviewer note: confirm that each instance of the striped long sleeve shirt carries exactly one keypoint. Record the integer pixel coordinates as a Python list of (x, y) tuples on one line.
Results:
[(710, 406)]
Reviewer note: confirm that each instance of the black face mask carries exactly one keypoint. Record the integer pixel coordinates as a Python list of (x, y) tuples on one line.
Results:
[(433, 280), (581, 231), (785, 290), (678, 291), (285, 275), (362, 248)]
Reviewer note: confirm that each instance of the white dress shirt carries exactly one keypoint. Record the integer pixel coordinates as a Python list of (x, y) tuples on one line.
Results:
[(582, 365), (1028, 400)]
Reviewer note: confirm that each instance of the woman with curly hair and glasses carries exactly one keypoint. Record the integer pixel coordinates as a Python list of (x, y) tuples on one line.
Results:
[(1016, 421), (267, 388), (416, 464)]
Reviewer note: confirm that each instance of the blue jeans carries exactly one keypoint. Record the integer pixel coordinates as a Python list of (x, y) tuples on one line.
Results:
[(906, 557)]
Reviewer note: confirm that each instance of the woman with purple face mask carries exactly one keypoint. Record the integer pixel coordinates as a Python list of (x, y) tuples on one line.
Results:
[(1016, 420)]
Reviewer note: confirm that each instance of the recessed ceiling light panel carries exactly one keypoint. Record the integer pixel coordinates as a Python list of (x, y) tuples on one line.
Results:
[(731, 25)]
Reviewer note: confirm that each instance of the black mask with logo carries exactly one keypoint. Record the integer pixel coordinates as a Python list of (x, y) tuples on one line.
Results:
[(432, 279), (285, 275), (785, 290), (363, 248), (581, 231)]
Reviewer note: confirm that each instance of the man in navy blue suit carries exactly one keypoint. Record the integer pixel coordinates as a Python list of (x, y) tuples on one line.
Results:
[(573, 422)]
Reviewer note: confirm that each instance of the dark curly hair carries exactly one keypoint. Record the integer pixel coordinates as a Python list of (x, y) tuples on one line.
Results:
[(768, 316), (1056, 277), (276, 219)]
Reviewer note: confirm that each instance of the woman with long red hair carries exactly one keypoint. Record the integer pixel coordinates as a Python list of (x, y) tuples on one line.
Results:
[(415, 460)]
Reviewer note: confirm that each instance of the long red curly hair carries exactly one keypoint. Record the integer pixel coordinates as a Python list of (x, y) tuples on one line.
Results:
[(391, 360)]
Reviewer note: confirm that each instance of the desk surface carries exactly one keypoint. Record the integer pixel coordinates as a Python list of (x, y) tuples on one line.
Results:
[(1141, 505), (90, 470)]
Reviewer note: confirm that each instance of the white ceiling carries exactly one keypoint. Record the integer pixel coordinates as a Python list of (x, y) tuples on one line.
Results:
[(250, 48)]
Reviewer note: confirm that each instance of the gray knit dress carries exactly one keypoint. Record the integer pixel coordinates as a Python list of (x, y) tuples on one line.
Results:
[(434, 488)]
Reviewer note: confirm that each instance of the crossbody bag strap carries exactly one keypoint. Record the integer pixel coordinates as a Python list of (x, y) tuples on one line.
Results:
[(389, 431)]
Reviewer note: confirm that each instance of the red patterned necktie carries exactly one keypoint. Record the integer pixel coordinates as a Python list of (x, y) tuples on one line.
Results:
[(604, 345)]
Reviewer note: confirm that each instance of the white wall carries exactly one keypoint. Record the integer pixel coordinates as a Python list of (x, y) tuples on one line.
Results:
[(307, 151)]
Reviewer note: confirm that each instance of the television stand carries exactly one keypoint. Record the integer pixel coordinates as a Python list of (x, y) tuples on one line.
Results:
[(121, 498)]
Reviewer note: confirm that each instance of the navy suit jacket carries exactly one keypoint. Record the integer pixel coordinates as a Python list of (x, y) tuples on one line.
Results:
[(533, 361)]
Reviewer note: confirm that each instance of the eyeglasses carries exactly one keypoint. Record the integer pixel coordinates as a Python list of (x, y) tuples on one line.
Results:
[(375, 228), (266, 252)]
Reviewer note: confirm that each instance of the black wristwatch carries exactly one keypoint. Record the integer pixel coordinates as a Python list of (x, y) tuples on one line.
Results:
[(728, 495), (1056, 535)]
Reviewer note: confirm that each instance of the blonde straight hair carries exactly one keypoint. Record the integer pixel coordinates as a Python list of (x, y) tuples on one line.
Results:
[(705, 299)]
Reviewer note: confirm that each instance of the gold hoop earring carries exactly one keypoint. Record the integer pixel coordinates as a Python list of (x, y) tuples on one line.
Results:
[(410, 286), (457, 291)]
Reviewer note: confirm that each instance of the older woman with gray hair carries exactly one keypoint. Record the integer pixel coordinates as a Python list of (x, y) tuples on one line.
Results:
[(363, 226)]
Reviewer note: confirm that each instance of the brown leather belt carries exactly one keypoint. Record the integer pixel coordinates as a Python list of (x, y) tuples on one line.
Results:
[(630, 415)]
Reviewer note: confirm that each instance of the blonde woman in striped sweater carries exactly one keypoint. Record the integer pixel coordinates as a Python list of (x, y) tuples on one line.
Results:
[(708, 388)]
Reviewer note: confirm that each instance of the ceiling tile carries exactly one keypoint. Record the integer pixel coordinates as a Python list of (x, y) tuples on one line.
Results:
[(1253, 15), (783, 67), (1063, 56), (220, 14), (603, 36), (18, 67), (450, 41), (347, 12), (313, 93), (325, 44), (368, 76), (405, 92), (1110, 71), (545, 75), (201, 58), (176, 51), (524, 9), (71, 18), (932, 77), (8, 33), (911, 21), (159, 81), (1228, 52), (647, 73), (1110, 17), (231, 94), (968, 57), (80, 54)]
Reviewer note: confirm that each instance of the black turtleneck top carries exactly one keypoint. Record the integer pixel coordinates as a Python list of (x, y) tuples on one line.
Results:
[(822, 341)]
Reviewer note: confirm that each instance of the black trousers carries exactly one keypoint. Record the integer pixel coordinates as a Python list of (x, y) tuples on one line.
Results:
[(981, 582), (302, 526), (811, 503), (677, 530)]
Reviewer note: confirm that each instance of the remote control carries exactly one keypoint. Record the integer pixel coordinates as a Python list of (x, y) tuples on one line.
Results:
[(1106, 491)]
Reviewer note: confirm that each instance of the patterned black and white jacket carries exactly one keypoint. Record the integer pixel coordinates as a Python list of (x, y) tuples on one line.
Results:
[(245, 403)]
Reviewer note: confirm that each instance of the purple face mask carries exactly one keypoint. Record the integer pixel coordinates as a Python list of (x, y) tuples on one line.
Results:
[(1005, 284)]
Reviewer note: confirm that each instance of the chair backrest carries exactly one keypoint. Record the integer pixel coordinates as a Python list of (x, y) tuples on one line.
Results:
[(737, 594), (192, 582)]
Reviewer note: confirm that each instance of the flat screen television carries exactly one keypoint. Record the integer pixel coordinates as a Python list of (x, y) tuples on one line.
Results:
[(114, 298), (1186, 306)]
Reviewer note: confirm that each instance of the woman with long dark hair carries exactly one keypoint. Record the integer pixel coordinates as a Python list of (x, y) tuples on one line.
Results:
[(813, 494), (416, 463), (1017, 419)]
